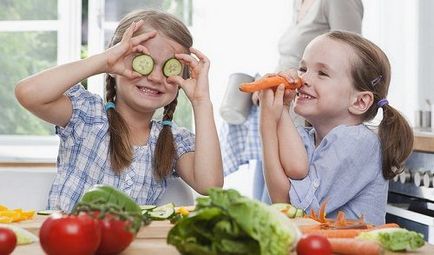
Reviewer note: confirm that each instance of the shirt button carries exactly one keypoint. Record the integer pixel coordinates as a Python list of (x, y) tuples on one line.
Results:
[(316, 184)]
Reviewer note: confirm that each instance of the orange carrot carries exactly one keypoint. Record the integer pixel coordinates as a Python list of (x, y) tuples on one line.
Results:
[(270, 82), (342, 233), (350, 246)]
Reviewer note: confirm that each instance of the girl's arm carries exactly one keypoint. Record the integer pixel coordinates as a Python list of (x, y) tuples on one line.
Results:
[(206, 161), (43, 93), (292, 153), (275, 177)]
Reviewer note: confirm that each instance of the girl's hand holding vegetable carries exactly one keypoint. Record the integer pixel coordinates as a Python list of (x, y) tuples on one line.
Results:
[(197, 86), (119, 56), (271, 104)]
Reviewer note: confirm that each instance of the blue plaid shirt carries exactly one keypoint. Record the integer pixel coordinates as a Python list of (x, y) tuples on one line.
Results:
[(83, 159), (345, 168)]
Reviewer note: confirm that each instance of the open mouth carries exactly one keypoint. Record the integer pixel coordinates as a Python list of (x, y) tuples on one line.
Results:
[(304, 96), (148, 91)]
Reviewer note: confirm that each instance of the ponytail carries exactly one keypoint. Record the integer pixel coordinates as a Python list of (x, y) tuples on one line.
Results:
[(165, 147), (120, 149), (396, 137)]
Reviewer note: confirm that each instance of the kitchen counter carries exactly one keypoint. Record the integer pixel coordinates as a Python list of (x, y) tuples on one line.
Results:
[(150, 240), (423, 140)]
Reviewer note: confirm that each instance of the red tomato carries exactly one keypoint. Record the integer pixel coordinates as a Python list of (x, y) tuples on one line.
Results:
[(115, 236), (70, 234), (314, 245), (8, 241)]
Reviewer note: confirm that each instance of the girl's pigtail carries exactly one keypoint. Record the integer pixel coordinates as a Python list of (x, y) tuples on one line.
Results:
[(165, 147), (396, 138), (121, 153)]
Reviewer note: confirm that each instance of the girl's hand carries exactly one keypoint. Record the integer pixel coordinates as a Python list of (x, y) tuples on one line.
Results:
[(272, 104), (197, 86), (119, 56), (255, 95), (289, 95)]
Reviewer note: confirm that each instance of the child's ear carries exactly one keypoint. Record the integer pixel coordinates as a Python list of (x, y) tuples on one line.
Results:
[(361, 102)]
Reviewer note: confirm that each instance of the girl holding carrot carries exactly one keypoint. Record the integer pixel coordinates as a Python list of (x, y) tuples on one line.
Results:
[(339, 159), (118, 142)]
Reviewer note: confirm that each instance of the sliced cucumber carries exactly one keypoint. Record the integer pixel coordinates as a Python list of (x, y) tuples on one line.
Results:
[(292, 211), (47, 212), (163, 212), (147, 207), (143, 64), (299, 213), (172, 67)]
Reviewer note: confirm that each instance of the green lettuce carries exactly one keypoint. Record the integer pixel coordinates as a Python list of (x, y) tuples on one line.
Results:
[(228, 223), (395, 239)]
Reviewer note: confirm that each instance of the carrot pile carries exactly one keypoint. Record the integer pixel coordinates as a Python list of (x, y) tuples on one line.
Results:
[(341, 233), (270, 82)]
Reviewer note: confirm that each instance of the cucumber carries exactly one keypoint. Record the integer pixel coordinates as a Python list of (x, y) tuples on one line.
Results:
[(163, 212), (143, 64), (172, 67), (292, 212), (147, 207), (47, 212), (299, 213)]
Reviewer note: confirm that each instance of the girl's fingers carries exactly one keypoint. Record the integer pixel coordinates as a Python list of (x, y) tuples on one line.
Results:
[(188, 59), (199, 54), (129, 32), (141, 48), (278, 97), (136, 40)]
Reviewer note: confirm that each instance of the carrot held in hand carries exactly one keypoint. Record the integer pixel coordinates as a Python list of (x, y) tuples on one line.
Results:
[(270, 82)]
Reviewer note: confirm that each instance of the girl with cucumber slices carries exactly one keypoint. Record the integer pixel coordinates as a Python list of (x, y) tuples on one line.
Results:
[(339, 159), (118, 142)]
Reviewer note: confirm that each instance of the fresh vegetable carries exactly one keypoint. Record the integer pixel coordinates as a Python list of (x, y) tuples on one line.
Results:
[(395, 239), (23, 236), (172, 67), (351, 246), (8, 215), (313, 245), (341, 233), (105, 194), (143, 64), (162, 212), (48, 212), (8, 241), (226, 222), (270, 82), (289, 210), (147, 207), (116, 235), (70, 234)]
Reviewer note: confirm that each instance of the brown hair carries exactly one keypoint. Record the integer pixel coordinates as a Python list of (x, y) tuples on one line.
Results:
[(121, 151), (371, 72)]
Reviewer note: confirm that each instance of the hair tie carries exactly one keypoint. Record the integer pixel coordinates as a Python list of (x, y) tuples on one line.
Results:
[(109, 105), (375, 81), (167, 123), (382, 102)]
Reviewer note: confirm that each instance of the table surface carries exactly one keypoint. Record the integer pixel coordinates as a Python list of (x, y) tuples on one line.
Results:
[(150, 239)]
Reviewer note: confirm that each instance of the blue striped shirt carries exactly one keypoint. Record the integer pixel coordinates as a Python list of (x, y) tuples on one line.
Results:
[(83, 159), (345, 168)]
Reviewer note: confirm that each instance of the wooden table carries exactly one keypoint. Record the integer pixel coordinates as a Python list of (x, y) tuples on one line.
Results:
[(150, 240)]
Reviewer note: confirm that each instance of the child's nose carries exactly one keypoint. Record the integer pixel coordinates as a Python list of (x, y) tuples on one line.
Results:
[(156, 75)]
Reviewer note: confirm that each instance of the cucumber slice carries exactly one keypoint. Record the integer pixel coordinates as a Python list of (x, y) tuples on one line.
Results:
[(292, 212), (172, 67), (299, 213), (47, 212), (147, 207), (143, 64), (163, 212)]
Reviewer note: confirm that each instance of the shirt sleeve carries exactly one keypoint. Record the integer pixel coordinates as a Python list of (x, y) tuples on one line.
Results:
[(184, 141), (342, 166), (240, 143), (344, 15), (87, 109)]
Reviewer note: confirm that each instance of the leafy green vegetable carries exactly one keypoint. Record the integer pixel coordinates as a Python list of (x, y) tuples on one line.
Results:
[(228, 223), (395, 239)]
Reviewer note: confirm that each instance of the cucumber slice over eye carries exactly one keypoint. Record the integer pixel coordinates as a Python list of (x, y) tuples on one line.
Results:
[(172, 67), (143, 64)]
